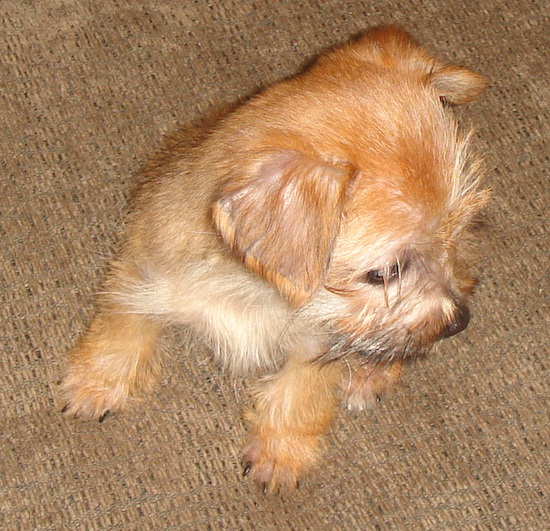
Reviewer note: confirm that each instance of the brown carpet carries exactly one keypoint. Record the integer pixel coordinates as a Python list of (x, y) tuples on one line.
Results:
[(88, 89)]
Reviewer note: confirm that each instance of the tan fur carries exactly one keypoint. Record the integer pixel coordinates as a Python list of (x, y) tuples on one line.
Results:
[(319, 233)]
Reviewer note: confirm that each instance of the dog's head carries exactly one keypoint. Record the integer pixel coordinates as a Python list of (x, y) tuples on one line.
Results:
[(351, 190)]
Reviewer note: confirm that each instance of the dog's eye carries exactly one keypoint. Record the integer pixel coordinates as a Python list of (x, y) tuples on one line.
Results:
[(380, 276)]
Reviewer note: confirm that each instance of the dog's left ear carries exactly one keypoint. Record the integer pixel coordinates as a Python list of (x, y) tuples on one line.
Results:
[(456, 84), (284, 218), (393, 45)]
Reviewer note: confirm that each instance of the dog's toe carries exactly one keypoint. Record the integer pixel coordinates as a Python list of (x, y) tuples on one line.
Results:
[(276, 463)]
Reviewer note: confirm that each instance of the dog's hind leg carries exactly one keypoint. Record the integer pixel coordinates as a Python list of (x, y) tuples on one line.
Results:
[(115, 358)]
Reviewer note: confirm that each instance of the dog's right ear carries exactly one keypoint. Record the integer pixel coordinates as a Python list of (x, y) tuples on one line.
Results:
[(283, 220)]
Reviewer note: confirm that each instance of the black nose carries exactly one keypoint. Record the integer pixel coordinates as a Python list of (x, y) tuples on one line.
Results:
[(459, 323)]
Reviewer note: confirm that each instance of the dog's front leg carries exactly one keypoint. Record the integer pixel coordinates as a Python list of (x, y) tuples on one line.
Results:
[(292, 413)]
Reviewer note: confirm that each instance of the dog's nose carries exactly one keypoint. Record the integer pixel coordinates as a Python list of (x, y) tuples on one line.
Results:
[(459, 323)]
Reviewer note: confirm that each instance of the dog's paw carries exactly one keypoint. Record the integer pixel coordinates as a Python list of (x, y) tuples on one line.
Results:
[(89, 397), (104, 374), (276, 462), (368, 385), (361, 399)]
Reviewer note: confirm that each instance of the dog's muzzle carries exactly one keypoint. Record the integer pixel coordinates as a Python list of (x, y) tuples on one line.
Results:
[(459, 323)]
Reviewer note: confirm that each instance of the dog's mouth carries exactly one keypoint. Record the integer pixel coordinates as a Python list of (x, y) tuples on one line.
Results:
[(382, 348), (393, 343)]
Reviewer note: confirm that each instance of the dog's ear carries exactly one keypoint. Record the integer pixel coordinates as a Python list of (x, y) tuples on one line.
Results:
[(391, 45), (456, 84), (283, 220)]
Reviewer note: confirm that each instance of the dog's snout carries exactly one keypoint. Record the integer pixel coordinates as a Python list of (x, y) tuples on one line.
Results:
[(459, 323)]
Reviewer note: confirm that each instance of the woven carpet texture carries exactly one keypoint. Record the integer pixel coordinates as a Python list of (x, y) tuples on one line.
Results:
[(88, 91)]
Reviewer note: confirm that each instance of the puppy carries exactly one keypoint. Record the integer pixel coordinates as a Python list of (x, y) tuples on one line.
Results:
[(319, 234)]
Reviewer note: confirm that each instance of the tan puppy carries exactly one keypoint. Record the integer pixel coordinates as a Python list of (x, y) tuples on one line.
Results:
[(320, 232)]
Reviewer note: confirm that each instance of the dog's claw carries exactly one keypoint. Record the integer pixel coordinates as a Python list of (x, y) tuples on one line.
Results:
[(103, 417), (264, 488), (65, 408), (247, 469)]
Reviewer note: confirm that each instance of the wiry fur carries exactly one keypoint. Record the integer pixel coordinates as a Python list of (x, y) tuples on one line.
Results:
[(319, 229)]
